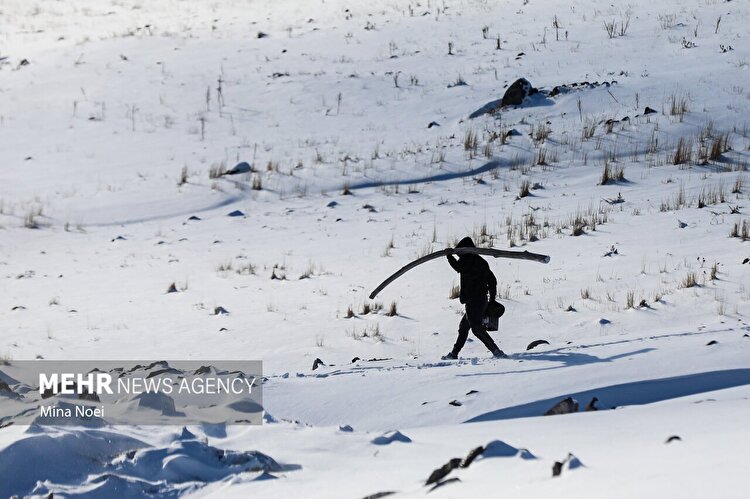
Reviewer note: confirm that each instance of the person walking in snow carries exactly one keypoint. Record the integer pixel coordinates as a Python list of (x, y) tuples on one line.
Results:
[(478, 283)]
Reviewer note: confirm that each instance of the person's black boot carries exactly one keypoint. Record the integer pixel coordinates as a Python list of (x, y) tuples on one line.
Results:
[(450, 356), (499, 354)]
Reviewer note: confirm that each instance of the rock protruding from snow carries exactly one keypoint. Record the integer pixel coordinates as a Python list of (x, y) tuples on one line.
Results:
[(569, 463), (495, 448), (517, 92), (565, 406), (390, 437), (591, 406), (6, 390), (241, 167), (443, 471), (158, 402)]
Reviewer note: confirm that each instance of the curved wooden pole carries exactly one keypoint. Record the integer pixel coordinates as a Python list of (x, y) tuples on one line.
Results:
[(495, 253)]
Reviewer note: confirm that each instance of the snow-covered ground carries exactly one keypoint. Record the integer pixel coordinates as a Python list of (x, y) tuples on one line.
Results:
[(112, 135)]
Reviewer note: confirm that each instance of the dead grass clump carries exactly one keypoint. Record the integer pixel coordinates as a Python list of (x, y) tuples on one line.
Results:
[(683, 154)]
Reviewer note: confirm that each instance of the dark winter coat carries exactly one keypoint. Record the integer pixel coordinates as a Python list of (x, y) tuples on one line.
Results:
[(477, 280)]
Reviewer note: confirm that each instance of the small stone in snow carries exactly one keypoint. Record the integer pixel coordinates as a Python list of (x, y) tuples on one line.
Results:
[(591, 406)]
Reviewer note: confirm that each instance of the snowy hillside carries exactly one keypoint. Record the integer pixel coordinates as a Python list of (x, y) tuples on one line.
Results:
[(279, 159)]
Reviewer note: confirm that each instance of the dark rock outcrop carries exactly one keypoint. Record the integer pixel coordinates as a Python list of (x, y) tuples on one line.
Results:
[(517, 92), (565, 406)]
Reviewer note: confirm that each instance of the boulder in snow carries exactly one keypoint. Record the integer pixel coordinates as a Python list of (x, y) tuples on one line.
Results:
[(517, 92), (565, 406)]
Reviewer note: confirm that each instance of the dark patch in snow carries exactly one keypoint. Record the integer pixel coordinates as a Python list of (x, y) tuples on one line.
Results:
[(236, 213), (591, 406), (536, 343), (445, 482), (440, 473), (378, 495)]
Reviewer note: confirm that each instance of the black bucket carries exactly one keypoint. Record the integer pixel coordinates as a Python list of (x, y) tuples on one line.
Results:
[(492, 315)]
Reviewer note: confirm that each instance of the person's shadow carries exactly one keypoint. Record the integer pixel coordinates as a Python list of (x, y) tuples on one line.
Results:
[(561, 358)]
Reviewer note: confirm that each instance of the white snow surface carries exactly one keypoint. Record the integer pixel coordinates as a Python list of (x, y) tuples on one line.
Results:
[(117, 97)]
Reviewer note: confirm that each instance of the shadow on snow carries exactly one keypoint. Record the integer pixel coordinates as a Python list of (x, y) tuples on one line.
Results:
[(634, 393)]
